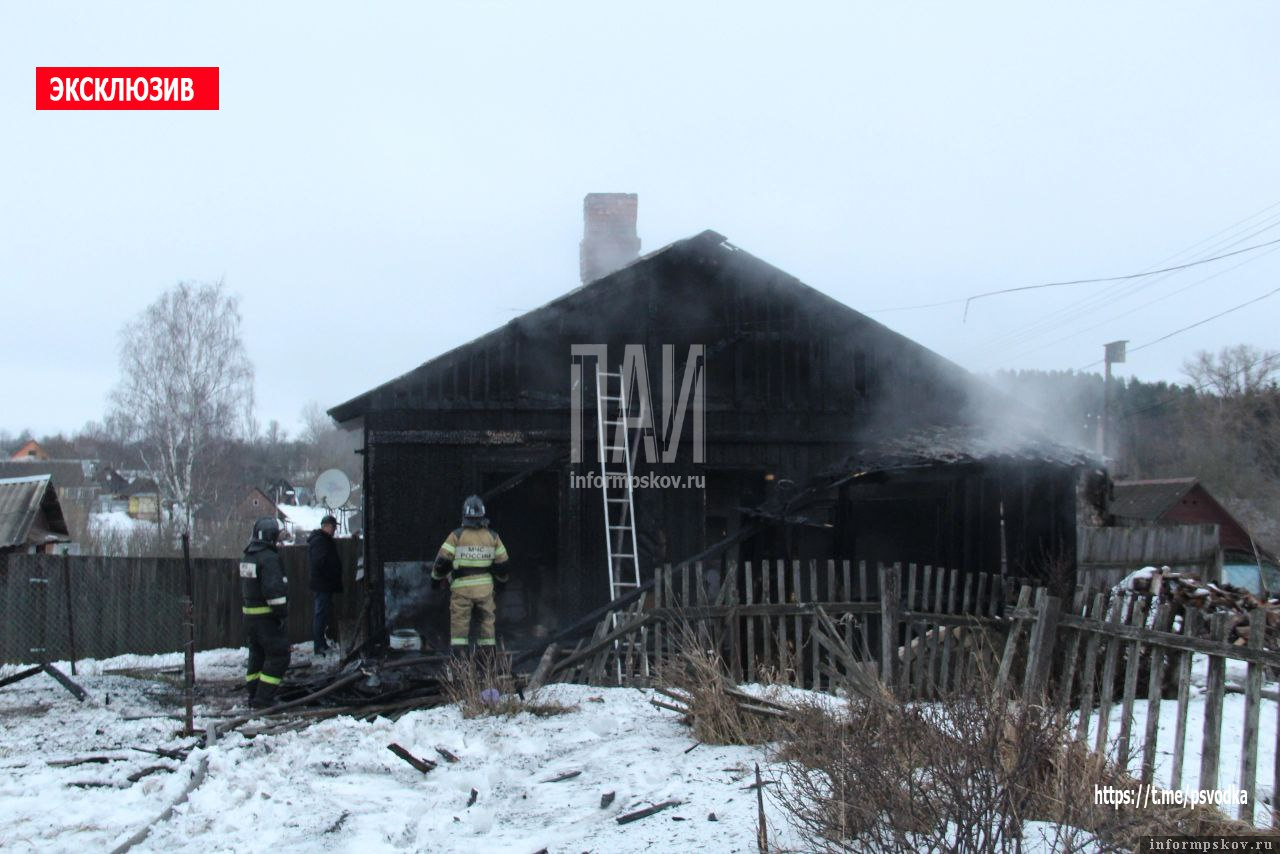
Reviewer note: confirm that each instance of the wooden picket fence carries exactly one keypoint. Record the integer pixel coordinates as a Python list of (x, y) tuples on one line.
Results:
[(929, 633), (1122, 651), (924, 626)]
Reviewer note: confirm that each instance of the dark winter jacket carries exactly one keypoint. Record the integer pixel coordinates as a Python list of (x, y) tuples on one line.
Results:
[(326, 566), (263, 585)]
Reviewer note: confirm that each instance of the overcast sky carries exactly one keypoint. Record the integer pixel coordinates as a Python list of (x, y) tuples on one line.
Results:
[(385, 181)]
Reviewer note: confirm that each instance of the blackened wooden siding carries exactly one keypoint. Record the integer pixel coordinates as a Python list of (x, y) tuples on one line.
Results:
[(795, 382)]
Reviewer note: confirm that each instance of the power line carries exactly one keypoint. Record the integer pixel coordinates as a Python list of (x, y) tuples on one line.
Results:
[(1167, 336), (1271, 221), (1116, 278), (1024, 350), (1087, 308)]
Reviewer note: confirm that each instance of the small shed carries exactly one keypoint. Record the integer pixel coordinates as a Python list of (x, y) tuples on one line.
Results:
[(31, 519), (144, 499)]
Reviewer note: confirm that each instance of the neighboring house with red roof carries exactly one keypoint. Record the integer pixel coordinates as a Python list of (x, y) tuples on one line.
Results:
[(30, 451), (1177, 501), (1186, 501)]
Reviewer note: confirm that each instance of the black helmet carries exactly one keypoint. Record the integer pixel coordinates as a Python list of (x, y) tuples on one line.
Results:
[(473, 511), (266, 530)]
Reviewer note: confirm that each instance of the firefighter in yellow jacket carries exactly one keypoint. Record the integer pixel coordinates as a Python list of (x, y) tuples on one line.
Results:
[(468, 560)]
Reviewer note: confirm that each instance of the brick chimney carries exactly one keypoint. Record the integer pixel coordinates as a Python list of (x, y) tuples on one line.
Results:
[(609, 239)]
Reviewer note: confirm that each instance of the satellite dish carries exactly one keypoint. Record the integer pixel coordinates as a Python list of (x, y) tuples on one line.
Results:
[(333, 488)]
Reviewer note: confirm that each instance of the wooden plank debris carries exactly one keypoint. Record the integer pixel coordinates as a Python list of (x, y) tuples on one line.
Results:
[(647, 811), (423, 765)]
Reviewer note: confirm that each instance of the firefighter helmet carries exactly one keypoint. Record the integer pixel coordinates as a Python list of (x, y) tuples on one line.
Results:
[(266, 530), (473, 510)]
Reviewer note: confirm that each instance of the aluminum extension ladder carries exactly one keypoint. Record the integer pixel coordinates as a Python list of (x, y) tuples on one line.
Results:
[(613, 436)]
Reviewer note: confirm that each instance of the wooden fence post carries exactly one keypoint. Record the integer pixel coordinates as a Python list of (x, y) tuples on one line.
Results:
[(889, 610), (1215, 681), (1015, 636), (1040, 651), (1252, 702), (189, 638)]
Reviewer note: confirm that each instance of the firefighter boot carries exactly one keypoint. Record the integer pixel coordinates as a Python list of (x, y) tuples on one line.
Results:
[(251, 688), (264, 697)]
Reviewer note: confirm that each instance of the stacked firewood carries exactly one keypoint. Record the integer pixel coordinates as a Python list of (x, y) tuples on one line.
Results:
[(1188, 591)]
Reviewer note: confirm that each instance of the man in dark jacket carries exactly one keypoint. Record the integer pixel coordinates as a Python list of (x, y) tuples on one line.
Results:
[(265, 603), (326, 578)]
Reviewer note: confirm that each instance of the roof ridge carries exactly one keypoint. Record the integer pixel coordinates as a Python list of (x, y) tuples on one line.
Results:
[(25, 479)]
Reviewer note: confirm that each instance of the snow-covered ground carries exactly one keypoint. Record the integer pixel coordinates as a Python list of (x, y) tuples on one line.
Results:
[(335, 786), (117, 522)]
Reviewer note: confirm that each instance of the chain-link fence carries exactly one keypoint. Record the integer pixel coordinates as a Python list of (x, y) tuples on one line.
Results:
[(59, 608)]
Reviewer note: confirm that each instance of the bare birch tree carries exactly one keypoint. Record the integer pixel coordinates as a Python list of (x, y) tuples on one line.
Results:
[(1235, 372), (186, 385)]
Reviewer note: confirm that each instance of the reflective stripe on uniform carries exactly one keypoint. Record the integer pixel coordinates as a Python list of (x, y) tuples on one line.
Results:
[(280, 600), (252, 677), (255, 610), (482, 563), (448, 548), (270, 680), (472, 581), (458, 641), (487, 642)]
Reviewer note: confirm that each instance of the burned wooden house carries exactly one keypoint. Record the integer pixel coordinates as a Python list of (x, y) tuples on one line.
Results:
[(781, 424)]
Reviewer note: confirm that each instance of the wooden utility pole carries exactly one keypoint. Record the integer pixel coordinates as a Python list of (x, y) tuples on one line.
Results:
[(1115, 352), (189, 646)]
